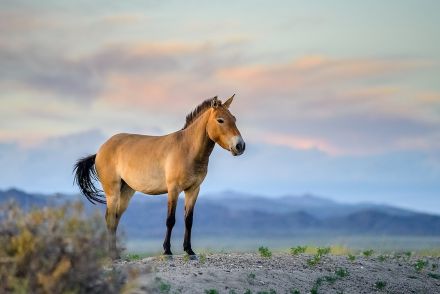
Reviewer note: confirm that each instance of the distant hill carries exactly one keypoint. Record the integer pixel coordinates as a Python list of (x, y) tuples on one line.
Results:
[(235, 214)]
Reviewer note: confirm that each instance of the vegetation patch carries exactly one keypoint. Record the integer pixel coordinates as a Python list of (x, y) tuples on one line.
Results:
[(298, 250), (132, 257), (380, 285), (382, 258), (251, 278), (339, 274), (265, 252), (368, 253), (54, 250), (162, 286), (321, 251), (351, 257), (420, 265), (271, 291), (434, 276)]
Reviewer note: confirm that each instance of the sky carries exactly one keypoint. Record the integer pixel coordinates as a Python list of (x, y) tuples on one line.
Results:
[(334, 98)]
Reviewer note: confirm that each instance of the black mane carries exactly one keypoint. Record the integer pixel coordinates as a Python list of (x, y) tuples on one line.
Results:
[(201, 108)]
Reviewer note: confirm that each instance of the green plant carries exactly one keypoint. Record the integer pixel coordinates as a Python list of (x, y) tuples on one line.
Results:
[(434, 276), (380, 285), (407, 254), (298, 250), (434, 266), (251, 278), (420, 265), (368, 253), (232, 291), (163, 287), (330, 279), (382, 258), (248, 291), (211, 291), (294, 291), (265, 252), (271, 291), (132, 257), (316, 285), (186, 257), (341, 272), (54, 250), (351, 257), (321, 251), (314, 260)]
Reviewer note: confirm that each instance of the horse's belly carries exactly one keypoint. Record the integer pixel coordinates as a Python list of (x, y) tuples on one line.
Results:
[(146, 181)]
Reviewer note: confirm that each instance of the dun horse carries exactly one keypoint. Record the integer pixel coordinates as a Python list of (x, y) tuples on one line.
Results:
[(159, 164)]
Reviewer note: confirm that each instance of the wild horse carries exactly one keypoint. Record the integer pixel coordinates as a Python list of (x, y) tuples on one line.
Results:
[(159, 164)]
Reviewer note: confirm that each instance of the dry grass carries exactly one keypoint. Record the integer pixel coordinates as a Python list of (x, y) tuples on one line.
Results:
[(54, 250)]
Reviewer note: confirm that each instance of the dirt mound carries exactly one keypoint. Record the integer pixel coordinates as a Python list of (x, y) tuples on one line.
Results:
[(284, 273)]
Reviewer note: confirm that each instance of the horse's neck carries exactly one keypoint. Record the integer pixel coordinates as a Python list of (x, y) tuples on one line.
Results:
[(199, 143)]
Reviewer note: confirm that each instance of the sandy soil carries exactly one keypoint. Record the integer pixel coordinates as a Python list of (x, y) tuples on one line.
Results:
[(283, 273)]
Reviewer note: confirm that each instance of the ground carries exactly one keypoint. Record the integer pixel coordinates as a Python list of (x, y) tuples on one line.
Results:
[(285, 273)]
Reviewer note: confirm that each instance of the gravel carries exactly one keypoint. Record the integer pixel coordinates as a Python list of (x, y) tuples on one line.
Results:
[(282, 273)]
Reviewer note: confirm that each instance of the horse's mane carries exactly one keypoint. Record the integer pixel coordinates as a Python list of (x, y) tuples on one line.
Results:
[(201, 108)]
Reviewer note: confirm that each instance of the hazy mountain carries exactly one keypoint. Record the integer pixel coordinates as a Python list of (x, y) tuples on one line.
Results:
[(235, 214)]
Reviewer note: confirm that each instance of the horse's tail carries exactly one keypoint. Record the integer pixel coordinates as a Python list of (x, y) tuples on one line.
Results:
[(85, 174)]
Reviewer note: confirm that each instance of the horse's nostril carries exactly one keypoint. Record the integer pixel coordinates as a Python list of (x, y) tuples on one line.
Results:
[(244, 146), (239, 147)]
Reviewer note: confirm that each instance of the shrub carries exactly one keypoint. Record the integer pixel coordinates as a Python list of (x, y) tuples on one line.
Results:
[(420, 265), (265, 252), (321, 251), (298, 249), (382, 258), (368, 253), (351, 257), (53, 250)]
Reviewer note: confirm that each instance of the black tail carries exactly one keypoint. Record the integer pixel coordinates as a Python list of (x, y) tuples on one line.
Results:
[(85, 174)]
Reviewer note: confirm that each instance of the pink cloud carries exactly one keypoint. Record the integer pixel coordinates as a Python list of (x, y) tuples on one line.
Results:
[(301, 143)]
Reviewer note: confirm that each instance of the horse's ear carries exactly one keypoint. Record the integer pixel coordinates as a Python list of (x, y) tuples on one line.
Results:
[(215, 102), (228, 102)]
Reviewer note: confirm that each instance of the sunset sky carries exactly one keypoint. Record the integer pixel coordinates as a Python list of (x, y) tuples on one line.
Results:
[(334, 98)]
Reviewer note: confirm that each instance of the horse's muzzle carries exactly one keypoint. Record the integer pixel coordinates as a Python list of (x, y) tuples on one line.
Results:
[(238, 146)]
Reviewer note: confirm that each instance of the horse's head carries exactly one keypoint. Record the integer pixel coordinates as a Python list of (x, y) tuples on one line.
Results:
[(221, 127)]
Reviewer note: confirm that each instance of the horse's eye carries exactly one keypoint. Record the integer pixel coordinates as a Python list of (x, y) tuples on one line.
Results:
[(220, 120)]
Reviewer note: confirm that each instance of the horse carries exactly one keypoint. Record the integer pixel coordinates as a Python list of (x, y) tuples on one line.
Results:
[(156, 165)]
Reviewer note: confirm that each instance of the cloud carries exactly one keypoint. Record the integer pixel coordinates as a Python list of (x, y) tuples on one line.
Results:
[(85, 77), (350, 106)]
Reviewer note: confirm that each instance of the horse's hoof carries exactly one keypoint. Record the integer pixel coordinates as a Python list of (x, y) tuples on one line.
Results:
[(166, 257), (193, 257)]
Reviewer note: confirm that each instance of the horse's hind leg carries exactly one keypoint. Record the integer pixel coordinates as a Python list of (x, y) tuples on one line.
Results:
[(118, 196)]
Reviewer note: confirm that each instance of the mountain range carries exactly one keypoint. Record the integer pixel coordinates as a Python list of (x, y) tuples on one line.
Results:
[(237, 214)]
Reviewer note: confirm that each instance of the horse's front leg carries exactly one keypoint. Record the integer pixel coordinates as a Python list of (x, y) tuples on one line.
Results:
[(190, 201), (173, 195)]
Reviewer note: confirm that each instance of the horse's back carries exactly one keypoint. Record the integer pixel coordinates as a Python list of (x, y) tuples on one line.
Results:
[(137, 159)]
